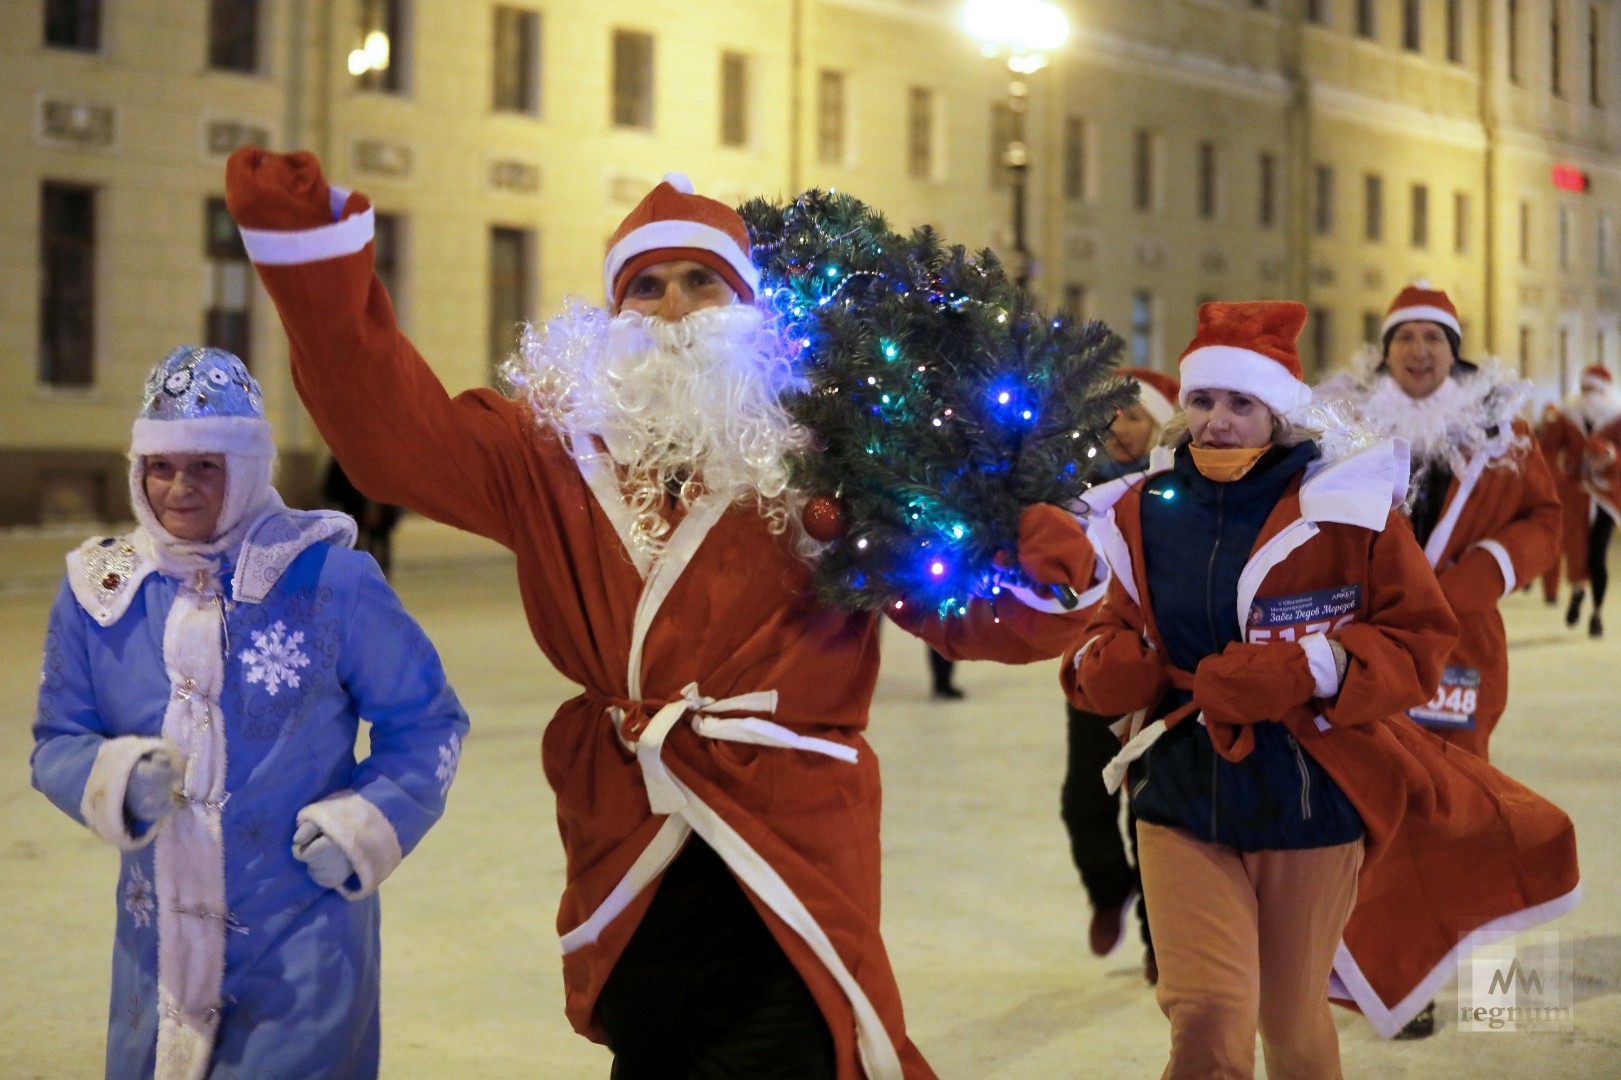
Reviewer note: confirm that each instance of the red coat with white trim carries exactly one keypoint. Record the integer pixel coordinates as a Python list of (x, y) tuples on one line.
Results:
[(726, 613), (1563, 444), (1453, 846)]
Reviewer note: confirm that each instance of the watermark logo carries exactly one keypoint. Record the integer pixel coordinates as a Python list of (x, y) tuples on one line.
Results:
[(1517, 982)]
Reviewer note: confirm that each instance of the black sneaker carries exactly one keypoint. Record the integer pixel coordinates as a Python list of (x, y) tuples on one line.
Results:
[(1573, 613), (1421, 1026), (948, 693), (1595, 626)]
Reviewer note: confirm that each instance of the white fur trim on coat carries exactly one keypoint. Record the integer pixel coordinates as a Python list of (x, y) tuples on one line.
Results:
[(1325, 671), (364, 834), (1227, 367), (102, 804), (1505, 562)]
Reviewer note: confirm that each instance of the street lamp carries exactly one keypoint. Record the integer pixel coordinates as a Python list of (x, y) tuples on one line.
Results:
[(1024, 32)]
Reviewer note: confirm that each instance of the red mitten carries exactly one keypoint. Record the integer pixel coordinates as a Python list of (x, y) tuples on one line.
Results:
[(277, 192), (1054, 551), (1473, 584), (1248, 683), (1116, 673)]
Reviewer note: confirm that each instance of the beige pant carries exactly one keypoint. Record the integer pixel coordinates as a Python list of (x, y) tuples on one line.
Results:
[(1246, 941)]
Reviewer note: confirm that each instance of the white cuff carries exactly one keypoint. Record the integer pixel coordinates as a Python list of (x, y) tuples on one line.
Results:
[(1325, 672), (102, 804), (270, 247), (364, 834), (1505, 562)]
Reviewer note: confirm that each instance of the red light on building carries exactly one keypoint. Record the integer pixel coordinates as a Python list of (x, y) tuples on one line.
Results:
[(1569, 178)]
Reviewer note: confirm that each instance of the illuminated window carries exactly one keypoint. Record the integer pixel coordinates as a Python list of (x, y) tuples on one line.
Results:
[(920, 127), (378, 61), (633, 79), (1077, 173), (734, 99), (1209, 180), (227, 323), (831, 127), (67, 284), (1421, 216), (1412, 29), (1267, 191), (1323, 199), (512, 289), (233, 35), (73, 24), (1373, 207), (515, 61)]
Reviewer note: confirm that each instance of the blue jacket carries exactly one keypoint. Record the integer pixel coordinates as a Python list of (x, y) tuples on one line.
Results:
[(1197, 536)]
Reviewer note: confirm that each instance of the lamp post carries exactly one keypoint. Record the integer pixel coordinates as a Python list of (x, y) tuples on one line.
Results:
[(1023, 32)]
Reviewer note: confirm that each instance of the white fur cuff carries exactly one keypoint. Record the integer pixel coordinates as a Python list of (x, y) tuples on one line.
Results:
[(1505, 562), (364, 834), (1325, 672), (102, 804)]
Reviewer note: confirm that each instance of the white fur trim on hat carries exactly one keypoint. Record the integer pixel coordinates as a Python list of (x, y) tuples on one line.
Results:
[(203, 435), (1227, 367), (1158, 407), (674, 233), (1422, 313)]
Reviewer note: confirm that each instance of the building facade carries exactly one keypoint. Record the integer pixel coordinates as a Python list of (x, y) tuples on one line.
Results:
[(1178, 151)]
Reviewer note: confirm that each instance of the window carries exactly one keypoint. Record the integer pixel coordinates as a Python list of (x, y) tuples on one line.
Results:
[(734, 99), (1142, 169), (1454, 29), (73, 24), (1075, 303), (511, 289), (1594, 97), (1564, 237), (1317, 11), (830, 119), (1367, 22), (633, 79), (1421, 216), (1267, 190), (1323, 199), (1555, 50), (1460, 222), (1525, 348), (515, 60), (1373, 207), (1322, 339), (1525, 233), (1602, 238), (1412, 30), (226, 323), (920, 133), (67, 281), (1373, 326), (1004, 136), (1208, 180), (1511, 40), (1077, 135), (233, 35), (379, 61), (388, 259), (1142, 329)]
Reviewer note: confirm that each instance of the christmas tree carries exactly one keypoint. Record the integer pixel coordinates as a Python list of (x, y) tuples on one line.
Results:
[(942, 402)]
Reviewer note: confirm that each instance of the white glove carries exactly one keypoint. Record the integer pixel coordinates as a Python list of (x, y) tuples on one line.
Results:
[(152, 792), (329, 866)]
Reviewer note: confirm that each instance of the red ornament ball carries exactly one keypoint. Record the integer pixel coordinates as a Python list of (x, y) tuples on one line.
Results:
[(824, 518)]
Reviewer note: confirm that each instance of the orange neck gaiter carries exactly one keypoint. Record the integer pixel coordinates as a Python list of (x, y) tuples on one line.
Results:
[(1226, 464)]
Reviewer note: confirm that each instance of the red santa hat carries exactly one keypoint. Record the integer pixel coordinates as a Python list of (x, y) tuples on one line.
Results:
[(1156, 393), (1420, 303), (672, 223), (1596, 377), (1249, 348)]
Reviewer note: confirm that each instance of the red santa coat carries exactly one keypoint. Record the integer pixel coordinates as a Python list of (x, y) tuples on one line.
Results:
[(1601, 468), (1499, 528), (1454, 848), (1563, 443), (720, 698)]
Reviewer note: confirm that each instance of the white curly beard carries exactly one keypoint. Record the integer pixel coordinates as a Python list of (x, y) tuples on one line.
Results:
[(692, 406)]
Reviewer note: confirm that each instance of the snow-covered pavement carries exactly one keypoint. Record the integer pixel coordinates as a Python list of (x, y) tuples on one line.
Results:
[(985, 920)]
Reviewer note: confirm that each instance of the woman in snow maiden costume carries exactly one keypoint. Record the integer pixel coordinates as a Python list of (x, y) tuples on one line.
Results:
[(203, 683), (1267, 616), (717, 800), (1481, 499)]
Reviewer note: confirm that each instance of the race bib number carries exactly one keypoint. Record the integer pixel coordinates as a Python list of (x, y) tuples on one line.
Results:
[(1453, 706), (1290, 618)]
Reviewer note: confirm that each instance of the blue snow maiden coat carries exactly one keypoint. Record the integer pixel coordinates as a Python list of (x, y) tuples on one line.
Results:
[(313, 640)]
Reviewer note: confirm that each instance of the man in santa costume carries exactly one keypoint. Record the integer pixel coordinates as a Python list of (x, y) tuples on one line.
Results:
[(1565, 440), (717, 802), (1481, 499)]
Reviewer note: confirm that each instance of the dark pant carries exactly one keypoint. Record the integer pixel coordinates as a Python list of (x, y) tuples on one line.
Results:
[(1092, 817), (940, 670), (704, 992), (1598, 551)]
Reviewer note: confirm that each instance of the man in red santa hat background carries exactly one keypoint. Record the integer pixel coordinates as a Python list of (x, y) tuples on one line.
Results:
[(717, 801)]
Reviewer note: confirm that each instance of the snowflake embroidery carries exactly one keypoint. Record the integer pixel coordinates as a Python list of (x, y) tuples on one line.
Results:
[(139, 900), (450, 757), (275, 657)]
